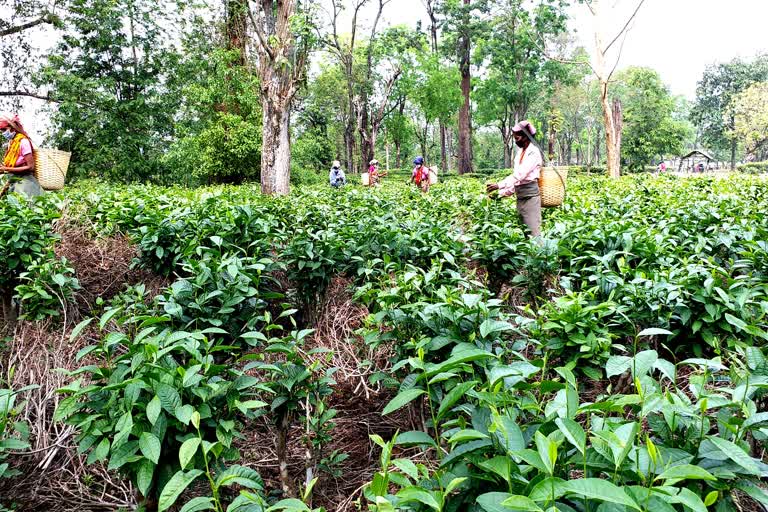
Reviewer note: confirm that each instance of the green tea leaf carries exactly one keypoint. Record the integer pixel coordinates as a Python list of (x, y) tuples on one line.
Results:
[(188, 450), (599, 489), (402, 399), (175, 486), (149, 445), (686, 472)]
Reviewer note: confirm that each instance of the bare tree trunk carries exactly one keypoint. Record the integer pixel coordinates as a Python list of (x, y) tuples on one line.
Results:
[(363, 127), (349, 146), (276, 150), (282, 454), (612, 132), (611, 115), (443, 147), (465, 120), (9, 311), (505, 139), (398, 154), (282, 67)]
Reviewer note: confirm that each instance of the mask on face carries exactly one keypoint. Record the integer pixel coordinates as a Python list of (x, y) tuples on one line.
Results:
[(9, 134)]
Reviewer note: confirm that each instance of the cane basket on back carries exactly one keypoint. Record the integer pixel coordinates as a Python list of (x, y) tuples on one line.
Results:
[(51, 167), (552, 185)]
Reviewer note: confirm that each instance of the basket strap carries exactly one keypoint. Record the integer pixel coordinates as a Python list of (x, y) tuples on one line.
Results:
[(565, 189)]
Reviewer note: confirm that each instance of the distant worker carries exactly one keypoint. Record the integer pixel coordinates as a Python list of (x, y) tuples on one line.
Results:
[(337, 175), (19, 159), (374, 175), (420, 174), (524, 181), (662, 166)]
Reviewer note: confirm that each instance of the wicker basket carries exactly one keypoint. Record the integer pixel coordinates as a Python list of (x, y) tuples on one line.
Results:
[(51, 167), (432, 175), (552, 185)]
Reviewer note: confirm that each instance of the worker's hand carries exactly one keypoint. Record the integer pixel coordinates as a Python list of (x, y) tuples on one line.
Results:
[(491, 187)]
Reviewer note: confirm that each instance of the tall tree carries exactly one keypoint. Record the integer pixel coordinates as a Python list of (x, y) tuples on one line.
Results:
[(609, 41), (465, 114), (713, 110), (386, 58), (284, 35), (750, 112), (344, 50), (108, 75), (463, 20), (515, 49), (431, 7), (650, 129)]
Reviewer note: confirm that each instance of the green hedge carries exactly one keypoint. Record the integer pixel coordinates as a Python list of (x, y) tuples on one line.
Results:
[(753, 168)]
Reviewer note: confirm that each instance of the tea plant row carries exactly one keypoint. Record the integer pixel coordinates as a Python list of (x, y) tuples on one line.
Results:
[(654, 287)]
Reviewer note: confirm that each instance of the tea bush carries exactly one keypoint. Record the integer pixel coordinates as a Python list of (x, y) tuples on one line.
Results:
[(616, 364)]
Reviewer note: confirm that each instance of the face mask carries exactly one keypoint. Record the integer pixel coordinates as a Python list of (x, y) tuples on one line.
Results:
[(9, 134)]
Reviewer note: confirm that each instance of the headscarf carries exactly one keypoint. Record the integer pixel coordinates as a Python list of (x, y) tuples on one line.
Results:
[(12, 120), (524, 126), (14, 147)]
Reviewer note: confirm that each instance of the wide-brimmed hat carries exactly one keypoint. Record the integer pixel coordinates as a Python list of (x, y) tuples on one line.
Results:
[(419, 160), (524, 126), (373, 162), (336, 164)]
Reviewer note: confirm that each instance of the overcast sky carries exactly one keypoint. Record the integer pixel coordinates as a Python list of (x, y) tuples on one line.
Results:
[(678, 38)]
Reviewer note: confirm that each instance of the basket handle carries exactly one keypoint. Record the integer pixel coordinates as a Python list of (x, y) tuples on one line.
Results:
[(544, 161), (58, 167)]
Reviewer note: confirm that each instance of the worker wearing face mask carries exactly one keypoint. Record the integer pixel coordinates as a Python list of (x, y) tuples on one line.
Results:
[(19, 159), (523, 182)]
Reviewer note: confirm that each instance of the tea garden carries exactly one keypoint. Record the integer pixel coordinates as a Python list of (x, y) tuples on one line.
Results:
[(618, 364)]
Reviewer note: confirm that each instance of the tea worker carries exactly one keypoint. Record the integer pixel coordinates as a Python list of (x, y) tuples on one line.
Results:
[(524, 181), (19, 160), (420, 174), (374, 175), (336, 175)]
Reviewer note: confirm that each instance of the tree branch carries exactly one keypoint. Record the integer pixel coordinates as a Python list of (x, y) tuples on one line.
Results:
[(632, 17), (45, 18), (260, 35), (28, 94)]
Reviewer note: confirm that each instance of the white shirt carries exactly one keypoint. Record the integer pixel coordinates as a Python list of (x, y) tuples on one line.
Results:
[(527, 169)]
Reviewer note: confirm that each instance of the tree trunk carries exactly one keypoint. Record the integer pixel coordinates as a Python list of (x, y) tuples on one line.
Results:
[(733, 155), (443, 148), (398, 154), (9, 311), (423, 141), (282, 454), (506, 135), (276, 150), (349, 142), (465, 120), (612, 122)]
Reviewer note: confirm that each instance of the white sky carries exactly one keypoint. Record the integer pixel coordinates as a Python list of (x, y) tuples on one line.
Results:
[(678, 38)]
